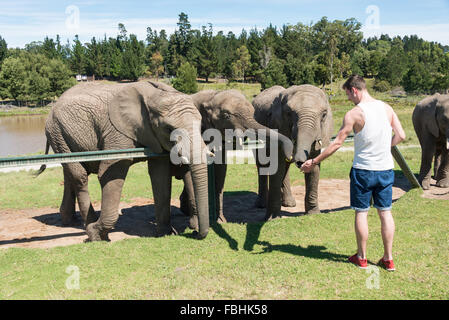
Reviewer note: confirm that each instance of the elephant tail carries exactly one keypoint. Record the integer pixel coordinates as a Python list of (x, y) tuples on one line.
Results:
[(44, 166)]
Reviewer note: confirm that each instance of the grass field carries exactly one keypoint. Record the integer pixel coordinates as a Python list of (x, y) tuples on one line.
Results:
[(292, 258)]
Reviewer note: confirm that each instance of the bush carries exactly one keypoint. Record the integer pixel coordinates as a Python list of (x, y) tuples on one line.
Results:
[(185, 80), (381, 85)]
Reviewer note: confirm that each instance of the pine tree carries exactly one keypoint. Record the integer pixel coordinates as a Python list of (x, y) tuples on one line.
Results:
[(185, 80)]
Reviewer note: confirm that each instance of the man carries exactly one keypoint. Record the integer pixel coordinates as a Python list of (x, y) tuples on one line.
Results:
[(372, 171)]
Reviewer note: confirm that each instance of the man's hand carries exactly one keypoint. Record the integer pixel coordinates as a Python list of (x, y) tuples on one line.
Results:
[(307, 166)]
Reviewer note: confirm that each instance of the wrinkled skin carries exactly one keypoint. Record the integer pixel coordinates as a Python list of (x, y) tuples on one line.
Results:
[(93, 116), (303, 114), (223, 110), (431, 122)]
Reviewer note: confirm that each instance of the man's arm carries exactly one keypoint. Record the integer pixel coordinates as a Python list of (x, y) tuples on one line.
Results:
[(345, 130), (399, 133)]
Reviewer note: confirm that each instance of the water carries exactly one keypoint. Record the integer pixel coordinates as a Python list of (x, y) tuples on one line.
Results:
[(20, 135)]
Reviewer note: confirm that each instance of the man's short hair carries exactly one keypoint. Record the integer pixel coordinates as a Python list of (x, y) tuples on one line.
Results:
[(355, 81)]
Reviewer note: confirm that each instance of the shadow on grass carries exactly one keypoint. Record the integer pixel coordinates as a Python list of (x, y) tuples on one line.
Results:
[(316, 252)]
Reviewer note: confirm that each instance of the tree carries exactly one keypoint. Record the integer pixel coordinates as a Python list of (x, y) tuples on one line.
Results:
[(12, 78), (185, 80), (417, 79), (205, 53), (78, 57), (274, 74), (133, 64), (243, 62), (156, 64), (3, 50)]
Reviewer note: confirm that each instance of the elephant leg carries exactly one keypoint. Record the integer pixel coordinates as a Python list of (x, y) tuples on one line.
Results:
[(274, 192), (220, 175), (437, 162), (427, 152), (161, 181), (286, 193), (187, 200), (77, 178), (111, 177), (443, 174), (262, 194), (311, 197), (67, 208)]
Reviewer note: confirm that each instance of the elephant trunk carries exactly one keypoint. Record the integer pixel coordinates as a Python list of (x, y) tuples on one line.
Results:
[(200, 187), (286, 144), (198, 169), (306, 137)]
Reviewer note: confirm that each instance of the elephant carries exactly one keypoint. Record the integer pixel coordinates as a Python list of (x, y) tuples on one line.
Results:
[(431, 123), (224, 110), (303, 114), (93, 116)]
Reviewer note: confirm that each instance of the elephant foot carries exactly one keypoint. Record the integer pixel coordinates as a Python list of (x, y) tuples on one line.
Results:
[(167, 231), (261, 202), (443, 183), (96, 233), (425, 184), (313, 210), (289, 202), (199, 236), (221, 219), (193, 222)]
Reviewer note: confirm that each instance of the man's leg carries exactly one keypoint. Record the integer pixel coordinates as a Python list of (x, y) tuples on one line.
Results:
[(361, 231), (387, 229)]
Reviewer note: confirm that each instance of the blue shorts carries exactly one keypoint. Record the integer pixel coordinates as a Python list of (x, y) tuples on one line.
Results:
[(366, 184)]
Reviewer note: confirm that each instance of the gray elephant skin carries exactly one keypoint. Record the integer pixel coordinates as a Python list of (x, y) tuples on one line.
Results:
[(431, 123), (222, 110), (303, 114), (90, 117)]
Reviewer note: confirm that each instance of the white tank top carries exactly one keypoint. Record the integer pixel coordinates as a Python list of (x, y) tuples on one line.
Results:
[(372, 144)]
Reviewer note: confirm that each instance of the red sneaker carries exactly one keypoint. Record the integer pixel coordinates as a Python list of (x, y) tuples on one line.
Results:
[(387, 264), (361, 263)]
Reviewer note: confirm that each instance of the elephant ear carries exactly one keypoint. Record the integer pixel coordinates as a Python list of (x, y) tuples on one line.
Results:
[(129, 114), (275, 113), (327, 128)]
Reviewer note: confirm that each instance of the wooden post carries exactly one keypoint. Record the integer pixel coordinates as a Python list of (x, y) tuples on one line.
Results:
[(404, 167)]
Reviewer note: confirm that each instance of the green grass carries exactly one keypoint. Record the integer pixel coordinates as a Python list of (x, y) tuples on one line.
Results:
[(292, 258)]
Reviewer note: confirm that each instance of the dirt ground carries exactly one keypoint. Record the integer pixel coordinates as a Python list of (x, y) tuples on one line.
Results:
[(41, 228)]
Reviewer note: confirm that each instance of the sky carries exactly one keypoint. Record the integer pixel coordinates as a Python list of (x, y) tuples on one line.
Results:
[(24, 21)]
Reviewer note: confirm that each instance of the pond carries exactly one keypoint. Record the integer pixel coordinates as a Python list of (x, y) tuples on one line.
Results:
[(20, 135)]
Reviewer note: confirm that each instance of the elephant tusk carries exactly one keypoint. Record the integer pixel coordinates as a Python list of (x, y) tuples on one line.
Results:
[(447, 143), (320, 143), (184, 160), (210, 154)]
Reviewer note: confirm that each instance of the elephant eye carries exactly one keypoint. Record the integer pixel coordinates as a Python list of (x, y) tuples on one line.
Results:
[(323, 116)]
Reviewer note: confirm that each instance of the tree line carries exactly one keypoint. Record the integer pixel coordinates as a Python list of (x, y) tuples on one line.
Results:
[(317, 54)]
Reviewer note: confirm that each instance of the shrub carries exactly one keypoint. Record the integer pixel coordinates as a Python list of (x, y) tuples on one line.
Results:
[(185, 80), (381, 85)]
